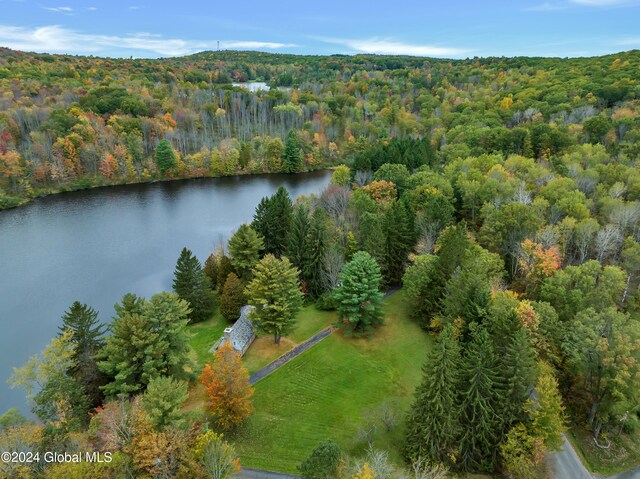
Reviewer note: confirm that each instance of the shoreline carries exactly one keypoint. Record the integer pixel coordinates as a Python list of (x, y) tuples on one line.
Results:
[(83, 187)]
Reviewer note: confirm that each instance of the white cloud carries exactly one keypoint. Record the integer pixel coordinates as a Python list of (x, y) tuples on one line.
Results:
[(249, 45), (546, 7), (387, 46), (57, 39), (93, 9), (59, 9)]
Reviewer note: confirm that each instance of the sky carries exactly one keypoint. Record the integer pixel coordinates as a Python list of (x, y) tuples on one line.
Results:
[(449, 29)]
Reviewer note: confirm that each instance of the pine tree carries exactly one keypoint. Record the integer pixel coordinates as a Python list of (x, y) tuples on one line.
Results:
[(244, 247), (87, 339), (245, 154), (272, 221), (227, 388), (480, 423), (292, 155), (315, 247), (225, 268), (451, 246), (193, 285), (517, 375), (232, 299), (163, 401), (398, 240), (275, 294), (297, 251), (165, 156), (359, 298), (210, 268), (433, 427), (371, 236), (149, 342)]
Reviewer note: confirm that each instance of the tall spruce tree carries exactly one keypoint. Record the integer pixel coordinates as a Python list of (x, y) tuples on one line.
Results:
[(244, 247), (398, 240), (297, 251), (292, 156), (517, 376), (272, 220), (433, 421), (479, 420), (193, 285), (371, 236), (87, 337), (315, 247)]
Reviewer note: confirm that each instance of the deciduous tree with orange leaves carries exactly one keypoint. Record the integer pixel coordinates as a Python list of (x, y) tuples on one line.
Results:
[(227, 388), (536, 263)]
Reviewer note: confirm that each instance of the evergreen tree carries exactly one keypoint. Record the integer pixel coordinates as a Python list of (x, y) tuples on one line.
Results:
[(322, 463), (398, 240), (315, 247), (225, 268), (232, 299), (149, 342), (297, 251), (480, 423), (359, 298), (210, 268), (517, 375), (163, 401), (433, 427), (371, 236), (193, 285), (351, 247), (292, 156), (275, 294), (244, 247), (87, 339), (246, 150), (165, 156), (272, 221), (452, 244)]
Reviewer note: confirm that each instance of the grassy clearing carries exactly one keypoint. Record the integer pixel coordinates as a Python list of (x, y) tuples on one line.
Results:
[(330, 390), (623, 454), (308, 322), (204, 335)]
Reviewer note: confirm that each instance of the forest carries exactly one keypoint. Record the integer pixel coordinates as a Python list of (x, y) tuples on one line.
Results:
[(479, 243), (72, 122)]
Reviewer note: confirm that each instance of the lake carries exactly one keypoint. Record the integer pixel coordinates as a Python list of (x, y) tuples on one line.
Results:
[(96, 245)]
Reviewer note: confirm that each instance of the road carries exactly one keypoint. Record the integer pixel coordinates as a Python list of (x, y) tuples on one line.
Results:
[(566, 464)]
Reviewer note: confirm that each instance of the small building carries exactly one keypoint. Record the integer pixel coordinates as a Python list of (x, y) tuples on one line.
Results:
[(241, 334)]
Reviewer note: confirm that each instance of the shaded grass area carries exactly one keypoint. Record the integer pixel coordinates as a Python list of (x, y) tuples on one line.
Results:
[(203, 337), (332, 391), (623, 454)]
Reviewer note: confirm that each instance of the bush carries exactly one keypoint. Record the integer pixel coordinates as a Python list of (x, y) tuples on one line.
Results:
[(322, 463), (326, 302)]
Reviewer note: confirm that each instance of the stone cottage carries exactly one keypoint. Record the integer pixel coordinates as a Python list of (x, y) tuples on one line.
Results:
[(241, 334)]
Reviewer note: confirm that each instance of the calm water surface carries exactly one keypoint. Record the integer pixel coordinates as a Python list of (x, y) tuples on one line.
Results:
[(94, 246)]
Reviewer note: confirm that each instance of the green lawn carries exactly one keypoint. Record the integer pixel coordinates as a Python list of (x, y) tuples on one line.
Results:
[(309, 321), (204, 335), (327, 391)]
